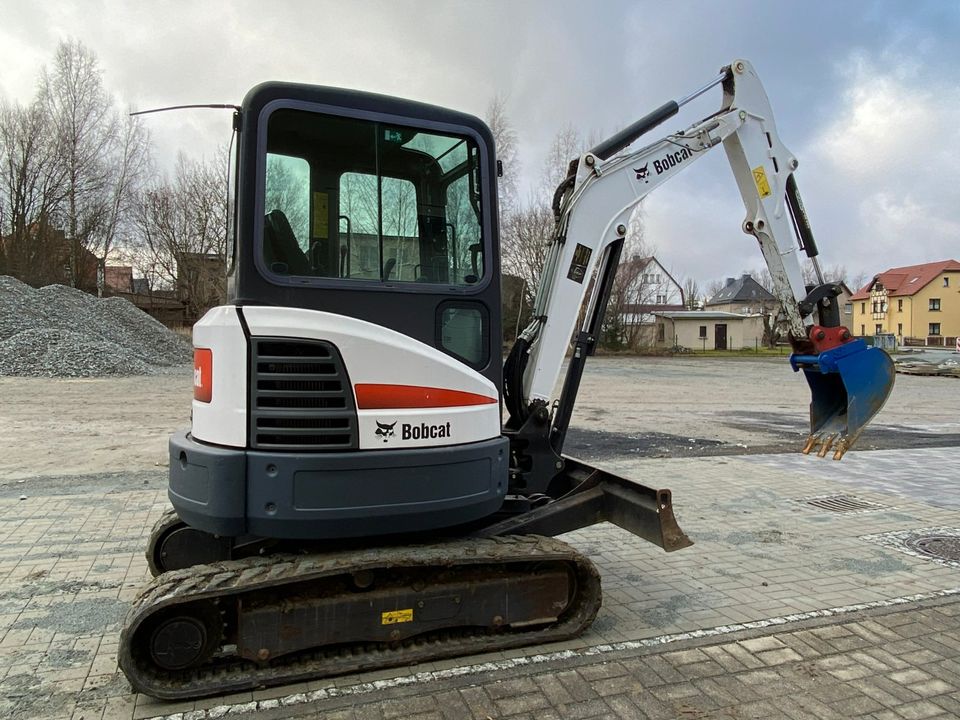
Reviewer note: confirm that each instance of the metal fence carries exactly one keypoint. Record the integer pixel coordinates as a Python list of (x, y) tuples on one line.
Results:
[(948, 341)]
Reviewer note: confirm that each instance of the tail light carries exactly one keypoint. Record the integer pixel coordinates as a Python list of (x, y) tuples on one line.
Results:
[(202, 374)]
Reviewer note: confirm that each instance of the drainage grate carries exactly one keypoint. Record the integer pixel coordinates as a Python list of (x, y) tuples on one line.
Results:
[(843, 504), (943, 547)]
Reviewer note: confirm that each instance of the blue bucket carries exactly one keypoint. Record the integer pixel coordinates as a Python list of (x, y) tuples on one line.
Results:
[(849, 385)]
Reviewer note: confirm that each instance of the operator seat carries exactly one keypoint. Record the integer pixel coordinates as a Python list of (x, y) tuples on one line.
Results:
[(388, 267), (281, 251)]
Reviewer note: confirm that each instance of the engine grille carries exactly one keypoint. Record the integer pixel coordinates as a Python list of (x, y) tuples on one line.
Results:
[(300, 396)]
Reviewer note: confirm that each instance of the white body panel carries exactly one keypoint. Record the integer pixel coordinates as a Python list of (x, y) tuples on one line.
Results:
[(453, 426), (223, 420), (371, 354)]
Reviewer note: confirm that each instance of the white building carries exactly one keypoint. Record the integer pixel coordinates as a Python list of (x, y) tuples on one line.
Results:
[(649, 289), (709, 330)]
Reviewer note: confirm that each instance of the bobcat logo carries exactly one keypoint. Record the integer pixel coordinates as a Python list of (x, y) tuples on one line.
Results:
[(642, 173), (385, 431)]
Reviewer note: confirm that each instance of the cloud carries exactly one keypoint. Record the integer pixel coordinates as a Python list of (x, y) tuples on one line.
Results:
[(884, 167), (887, 119)]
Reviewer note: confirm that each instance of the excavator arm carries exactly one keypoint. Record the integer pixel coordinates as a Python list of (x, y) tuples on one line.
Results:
[(848, 380)]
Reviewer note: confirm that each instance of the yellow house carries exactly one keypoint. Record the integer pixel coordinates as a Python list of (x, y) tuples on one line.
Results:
[(915, 302)]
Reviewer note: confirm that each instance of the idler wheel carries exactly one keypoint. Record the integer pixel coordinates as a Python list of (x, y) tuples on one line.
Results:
[(181, 546), (186, 637)]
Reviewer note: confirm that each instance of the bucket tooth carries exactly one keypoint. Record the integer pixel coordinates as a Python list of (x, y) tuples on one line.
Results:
[(811, 444), (841, 449), (825, 448)]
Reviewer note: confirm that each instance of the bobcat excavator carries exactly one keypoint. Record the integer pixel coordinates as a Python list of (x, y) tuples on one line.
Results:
[(348, 497)]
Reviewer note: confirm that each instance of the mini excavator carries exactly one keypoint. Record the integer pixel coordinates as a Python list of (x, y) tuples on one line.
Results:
[(348, 496)]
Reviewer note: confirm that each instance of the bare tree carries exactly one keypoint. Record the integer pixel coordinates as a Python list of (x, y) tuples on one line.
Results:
[(127, 171), (526, 234), (518, 263), (859, 280), (463, 228), (629, 303), (287, 191), (712, 288), (762, 276), (524, 238), (831, 273), (84, 128), (691, 294), (505, 139), (31, 188), (70, 170), (400, 230), (181, 228), (628, 318), (774, 320), (360, 201), (567, 145)]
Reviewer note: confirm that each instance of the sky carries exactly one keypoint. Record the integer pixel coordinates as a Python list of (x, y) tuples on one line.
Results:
[(866, 94)]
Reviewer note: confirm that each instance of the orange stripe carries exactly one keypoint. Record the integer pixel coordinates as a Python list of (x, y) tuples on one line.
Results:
[(373, 396)]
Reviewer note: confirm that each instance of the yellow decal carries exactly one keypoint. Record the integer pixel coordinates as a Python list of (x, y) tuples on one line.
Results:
[(321, 216), (760, 178), (393, 617)]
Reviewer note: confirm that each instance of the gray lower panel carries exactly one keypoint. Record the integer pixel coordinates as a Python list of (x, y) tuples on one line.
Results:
[(326, 495), (207, 485), (334, 492)]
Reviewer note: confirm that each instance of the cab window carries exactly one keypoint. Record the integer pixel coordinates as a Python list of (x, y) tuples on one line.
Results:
[(354, 199), (394, 253)]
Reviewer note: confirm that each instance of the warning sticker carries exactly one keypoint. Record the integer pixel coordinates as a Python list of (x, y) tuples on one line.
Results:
[(321, 215), (393, 617), (760, 178), (579, 263)]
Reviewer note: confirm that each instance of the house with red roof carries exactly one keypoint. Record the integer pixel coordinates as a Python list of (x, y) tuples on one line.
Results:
[(916, 302)]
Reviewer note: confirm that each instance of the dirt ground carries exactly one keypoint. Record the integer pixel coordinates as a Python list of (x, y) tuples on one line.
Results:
[(675, 407), (648, 407)]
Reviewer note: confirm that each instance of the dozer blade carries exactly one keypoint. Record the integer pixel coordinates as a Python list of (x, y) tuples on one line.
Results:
[(849, 385), (598, 496)]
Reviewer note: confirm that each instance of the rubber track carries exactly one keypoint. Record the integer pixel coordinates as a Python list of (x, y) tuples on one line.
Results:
[(220, 580)]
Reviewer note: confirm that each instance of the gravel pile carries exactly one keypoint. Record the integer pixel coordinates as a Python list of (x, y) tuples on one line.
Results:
[(18, 310), (58, 331)]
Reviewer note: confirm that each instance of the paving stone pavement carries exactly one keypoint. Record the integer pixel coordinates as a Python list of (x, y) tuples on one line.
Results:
[(932, 475), (887, 665), (71, 560)]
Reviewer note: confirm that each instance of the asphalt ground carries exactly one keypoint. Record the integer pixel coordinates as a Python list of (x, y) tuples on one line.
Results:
[(784, 607)]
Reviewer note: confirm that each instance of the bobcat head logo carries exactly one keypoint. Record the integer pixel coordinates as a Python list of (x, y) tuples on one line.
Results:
[(385, 431), (642, 173)]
